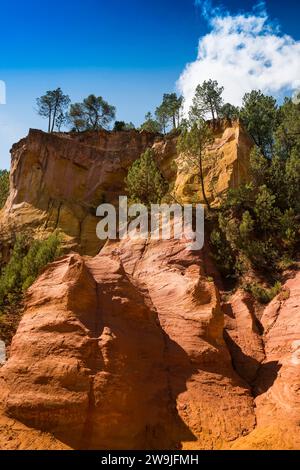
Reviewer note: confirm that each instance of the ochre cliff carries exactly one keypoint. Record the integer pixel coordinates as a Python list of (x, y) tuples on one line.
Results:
[(225, 166), (126, 350), (129, 345), (58, 180)]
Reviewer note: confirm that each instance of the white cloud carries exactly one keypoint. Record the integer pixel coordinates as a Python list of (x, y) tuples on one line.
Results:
[(242, 52)]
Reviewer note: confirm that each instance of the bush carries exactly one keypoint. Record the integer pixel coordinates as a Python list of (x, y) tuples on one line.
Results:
[(222, 253), (144, 183), (27, 260), (258, 223), (262, 294), (4, 187)]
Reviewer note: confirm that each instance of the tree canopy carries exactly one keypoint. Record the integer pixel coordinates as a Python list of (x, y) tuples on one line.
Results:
[(123, 126), (27, 259), (260, 118), (144, 182), (258, 224), (229, 112), (4, 187), (169, 112), (207, 101), (93, 113), (150, 124), (52, 106)]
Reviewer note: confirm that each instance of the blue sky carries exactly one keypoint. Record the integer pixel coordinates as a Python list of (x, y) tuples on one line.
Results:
[(130, 52)]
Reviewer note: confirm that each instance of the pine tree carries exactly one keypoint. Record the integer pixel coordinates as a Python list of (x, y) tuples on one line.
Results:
[(52, 105), (151, 124), (207, 101), (193, 143), (4, 186), (144, 182)]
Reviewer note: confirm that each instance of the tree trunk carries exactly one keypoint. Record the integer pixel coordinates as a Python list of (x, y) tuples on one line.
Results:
[(95, 123), (213, 116), (202, 181), (54, 117), (212, 112)]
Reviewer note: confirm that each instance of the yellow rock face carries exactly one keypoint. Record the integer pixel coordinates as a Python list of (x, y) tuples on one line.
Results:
[(227, 166)]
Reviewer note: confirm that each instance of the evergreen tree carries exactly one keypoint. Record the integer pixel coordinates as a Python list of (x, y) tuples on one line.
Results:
[(151, 125), (144, 182), (162, 117), (287, 135), (51, 106), (207, 101), (28, 257), (193, 143), (229, 112), (292, 178), (76, 117), (4, 187), (169, 110), (94, 113), (260, 118), (123, 126)]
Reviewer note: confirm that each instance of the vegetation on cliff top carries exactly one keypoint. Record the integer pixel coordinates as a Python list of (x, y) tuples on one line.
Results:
[(52, 106), (95, 113)]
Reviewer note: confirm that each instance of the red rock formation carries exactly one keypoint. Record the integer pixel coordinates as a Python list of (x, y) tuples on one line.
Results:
[(278, 382), (243, 335), (84, 357), (267, 354), (16, 436), (125, 350)]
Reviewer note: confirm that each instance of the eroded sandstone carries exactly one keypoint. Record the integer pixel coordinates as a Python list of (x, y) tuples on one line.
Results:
[(126, 350)]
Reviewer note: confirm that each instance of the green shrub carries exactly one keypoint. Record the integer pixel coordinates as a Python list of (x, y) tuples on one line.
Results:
[(27, 259), (262, 294), (258, 223), (222, 252), (4, 187), (144, 183)]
